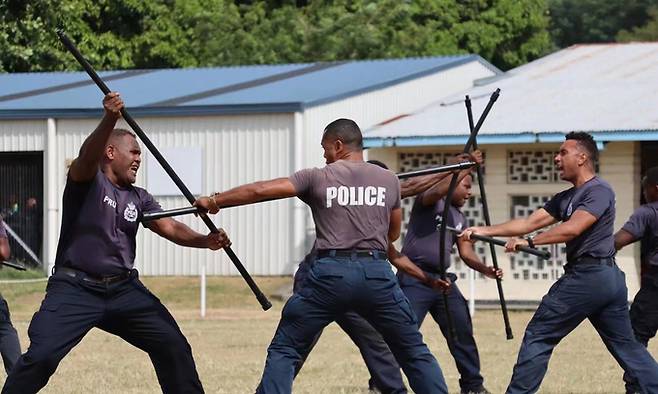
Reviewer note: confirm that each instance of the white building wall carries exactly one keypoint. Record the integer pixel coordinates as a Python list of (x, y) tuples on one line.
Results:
[(22, 135), (237, 150)]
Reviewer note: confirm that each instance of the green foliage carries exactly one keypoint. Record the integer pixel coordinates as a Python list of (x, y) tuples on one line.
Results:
[(128, 34), (647, 32), (587, 21)]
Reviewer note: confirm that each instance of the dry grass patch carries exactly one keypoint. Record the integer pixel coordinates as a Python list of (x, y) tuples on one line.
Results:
[(230, 347)]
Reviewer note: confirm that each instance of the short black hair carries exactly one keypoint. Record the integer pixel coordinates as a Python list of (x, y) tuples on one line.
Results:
[(650, 177), (586, 142), (378, 163), (345, 130)]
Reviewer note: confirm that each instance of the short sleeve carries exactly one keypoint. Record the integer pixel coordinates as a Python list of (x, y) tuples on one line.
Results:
[(639, 221), (398, 198), (596, 200), (149, 203), (552, 206), (302, 180)]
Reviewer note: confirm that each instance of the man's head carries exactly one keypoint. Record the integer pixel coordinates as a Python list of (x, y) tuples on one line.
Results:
[(650, 185), (340, 138), (122, 156), (463, 191), (578, 153)]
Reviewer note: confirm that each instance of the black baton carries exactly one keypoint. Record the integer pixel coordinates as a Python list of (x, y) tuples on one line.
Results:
[(487, 221), (264, 302)]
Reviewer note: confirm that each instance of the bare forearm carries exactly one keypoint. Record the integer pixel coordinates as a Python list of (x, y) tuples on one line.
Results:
[(5, 251), (419, 184), (475, 264), (403, 263), (440, 189), (182, 235), (513, 228), (563, 232), (255, 192), (93, 148)]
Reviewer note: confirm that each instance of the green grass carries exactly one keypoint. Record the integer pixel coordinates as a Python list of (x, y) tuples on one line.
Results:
[(230, 347)]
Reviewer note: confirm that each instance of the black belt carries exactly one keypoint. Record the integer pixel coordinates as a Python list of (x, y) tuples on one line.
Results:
[(586, 260), (102, 280), (351, 253)]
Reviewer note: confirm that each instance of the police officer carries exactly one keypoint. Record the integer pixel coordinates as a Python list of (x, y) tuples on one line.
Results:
[(357, 214), (94, 283), (384, 370), (643, 225), (592, 287), (421, 245), (10, 348)]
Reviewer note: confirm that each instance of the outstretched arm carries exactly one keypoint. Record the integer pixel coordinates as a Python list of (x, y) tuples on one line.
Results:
[(538, 219), (85, 166), (248, 194), (181, 234)]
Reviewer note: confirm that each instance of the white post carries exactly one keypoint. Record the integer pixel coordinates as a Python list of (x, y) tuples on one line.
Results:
[(50, 206), (298, 247), (471, 296), (203, 289)]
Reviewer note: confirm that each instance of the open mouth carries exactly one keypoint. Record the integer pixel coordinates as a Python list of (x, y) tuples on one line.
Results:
[(133, 170)]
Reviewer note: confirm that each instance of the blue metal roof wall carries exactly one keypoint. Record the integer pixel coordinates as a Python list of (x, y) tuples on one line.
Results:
[(264, 88), (23, 82), (337, 82)]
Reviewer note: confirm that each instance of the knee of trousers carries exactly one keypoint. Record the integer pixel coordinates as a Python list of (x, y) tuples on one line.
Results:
[(43, 359)]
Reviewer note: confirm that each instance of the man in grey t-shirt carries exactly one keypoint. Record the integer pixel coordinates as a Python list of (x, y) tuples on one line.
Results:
[(592, 287), (356, 209), (10, 348), (643, 226)]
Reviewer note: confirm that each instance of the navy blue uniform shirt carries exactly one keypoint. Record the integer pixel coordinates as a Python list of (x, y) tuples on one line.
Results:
[(421, 244), (99, 225), (596, 197), (643, 224)]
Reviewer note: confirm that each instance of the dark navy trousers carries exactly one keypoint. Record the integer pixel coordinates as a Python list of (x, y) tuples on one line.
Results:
[(73, 306), (384, 370), (335, 286), (594, 292), (644, 319), (10, 348), (424, 299)]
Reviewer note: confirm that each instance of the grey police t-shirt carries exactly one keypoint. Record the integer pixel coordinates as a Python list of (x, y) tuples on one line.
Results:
[(351, 203), (421, 244), (99, 225), (596, 197), (643, 224), (3, 230)]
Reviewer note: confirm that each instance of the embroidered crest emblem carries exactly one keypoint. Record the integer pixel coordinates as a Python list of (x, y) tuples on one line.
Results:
[(569, 209), (130, 214), (459, 226)]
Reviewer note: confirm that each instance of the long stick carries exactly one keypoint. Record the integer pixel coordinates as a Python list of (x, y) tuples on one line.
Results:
[(264, 302), (23, 245), (444, 216), (542, 254), (487, 221)]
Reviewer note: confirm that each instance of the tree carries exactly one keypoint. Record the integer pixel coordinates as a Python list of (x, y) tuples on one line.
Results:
[(587, 21), (128, 34), (647, 32)]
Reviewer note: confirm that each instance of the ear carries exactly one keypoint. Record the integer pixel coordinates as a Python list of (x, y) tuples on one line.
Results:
[(109, 152), (338, 145)]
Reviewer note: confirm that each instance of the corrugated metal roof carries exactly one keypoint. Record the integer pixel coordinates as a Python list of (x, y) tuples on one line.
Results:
[(599, 88), (263, 88)]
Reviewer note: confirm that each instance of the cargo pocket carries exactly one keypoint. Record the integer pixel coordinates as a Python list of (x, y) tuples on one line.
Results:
[(403, 303)]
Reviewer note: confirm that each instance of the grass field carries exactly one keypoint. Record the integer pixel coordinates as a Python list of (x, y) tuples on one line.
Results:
[(230, 344)]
